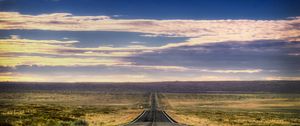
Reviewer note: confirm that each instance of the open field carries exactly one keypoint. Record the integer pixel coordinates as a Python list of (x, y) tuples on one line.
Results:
[(193, 103), (233, 109), (69, 108)]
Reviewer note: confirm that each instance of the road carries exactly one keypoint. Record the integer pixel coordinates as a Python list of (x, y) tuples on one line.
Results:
[(153, 116)]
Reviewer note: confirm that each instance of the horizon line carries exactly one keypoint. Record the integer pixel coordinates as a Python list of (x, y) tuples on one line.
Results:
[(150, 81)]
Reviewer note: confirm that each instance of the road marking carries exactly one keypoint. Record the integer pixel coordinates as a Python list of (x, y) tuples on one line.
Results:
[(153, 111), (157, 100), (166, 115), (154, 118), (136, 119), (153, 106)]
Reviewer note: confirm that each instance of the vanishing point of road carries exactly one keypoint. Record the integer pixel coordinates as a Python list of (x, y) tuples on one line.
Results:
[(153, 116)]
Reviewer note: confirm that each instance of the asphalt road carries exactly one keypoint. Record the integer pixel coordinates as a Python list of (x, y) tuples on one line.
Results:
[(153, 116)]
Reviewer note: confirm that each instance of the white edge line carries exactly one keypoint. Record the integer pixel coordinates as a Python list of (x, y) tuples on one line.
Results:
[(154, 120), (138, 117), (168, 117)]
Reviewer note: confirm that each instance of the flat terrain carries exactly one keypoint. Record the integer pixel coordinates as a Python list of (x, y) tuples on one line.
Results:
[(69, 108), (109, 104), (234, 109)]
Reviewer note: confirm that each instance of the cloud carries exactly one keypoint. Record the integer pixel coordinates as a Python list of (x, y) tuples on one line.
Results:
[(255, 55), (294, 54), (158, 67), (136, 42), (16, 51), (296, 78), (15, 44), (213, 78), (124, 73), (214, 50), (7, 61), (199, 31), (234, 71), (15, 77), (25, 77), (133, 77), (14, 36)]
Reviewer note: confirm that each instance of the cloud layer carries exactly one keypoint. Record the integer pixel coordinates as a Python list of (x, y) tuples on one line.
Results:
[(199, 31), (214, 49)]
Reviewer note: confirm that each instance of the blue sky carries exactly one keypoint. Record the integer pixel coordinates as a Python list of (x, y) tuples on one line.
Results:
[(162, 9), (154, 40)]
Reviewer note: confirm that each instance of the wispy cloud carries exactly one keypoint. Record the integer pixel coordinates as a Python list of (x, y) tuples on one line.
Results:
[(16, 51), (9, 76), (199, 31), (12, 61), (15, 44), (64, 53), (25, 77), (18, 45), (108, 78), (234, 71), (159, 67), (294, 54), (194, 57), (282, 78), (171, 73)]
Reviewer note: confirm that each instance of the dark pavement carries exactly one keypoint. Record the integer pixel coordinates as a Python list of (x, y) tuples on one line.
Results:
[(153, 116)]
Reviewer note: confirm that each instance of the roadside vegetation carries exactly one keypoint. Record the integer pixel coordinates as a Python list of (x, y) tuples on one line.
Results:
[(109, 104), (233, 109), (41, 108)]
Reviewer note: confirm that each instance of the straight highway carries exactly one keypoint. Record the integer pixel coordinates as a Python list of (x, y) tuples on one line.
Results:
[(153, 116)]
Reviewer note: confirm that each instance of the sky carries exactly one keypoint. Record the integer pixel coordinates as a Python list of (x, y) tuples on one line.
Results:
[(149, 40)]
